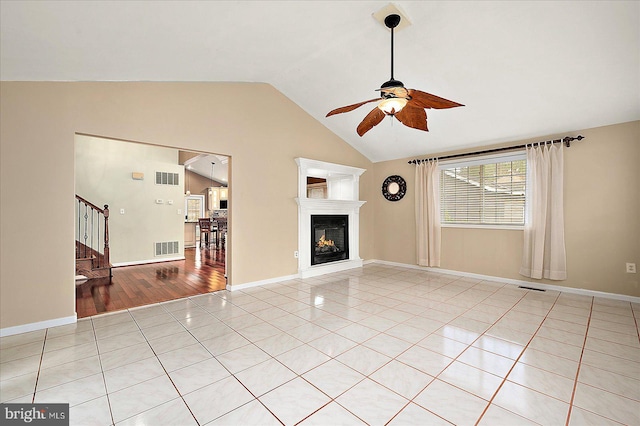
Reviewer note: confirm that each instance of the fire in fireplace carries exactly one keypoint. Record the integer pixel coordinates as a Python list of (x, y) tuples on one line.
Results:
[(329, 238)]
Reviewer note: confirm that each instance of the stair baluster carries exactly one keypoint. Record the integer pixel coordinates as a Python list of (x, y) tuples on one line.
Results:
[(92, 242)]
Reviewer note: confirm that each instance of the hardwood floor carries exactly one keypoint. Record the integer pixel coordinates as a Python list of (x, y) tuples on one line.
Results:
[(202, 271)]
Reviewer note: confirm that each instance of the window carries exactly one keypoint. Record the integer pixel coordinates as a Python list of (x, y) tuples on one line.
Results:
[(488, 191), (193, 208)]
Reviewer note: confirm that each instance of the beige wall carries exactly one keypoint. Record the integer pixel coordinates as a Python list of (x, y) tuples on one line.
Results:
[(602, 218), (259, 128), (263, 131)]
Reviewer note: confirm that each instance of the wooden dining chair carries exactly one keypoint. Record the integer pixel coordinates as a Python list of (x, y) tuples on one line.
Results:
[(205, 229), (221, 225)]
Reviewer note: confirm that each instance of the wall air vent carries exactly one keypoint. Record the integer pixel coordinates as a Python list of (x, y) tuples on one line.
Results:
[(167, 178), (167, 247)]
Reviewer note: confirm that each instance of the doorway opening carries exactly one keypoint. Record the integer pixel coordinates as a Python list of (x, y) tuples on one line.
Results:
[(155, 197)]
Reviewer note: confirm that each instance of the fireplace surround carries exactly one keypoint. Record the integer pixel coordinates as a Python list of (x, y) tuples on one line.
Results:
[(342, 193)]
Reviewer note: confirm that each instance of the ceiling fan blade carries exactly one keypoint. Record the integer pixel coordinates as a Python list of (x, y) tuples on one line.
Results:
[(413, 117), (350, 107), (427, 100), (372, 119)]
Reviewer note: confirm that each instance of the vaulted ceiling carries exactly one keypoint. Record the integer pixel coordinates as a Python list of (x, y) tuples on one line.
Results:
[(523, 69)]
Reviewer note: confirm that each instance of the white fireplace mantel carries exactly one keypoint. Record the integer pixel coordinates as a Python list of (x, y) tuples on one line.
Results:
[(342, 199), (328, 206)]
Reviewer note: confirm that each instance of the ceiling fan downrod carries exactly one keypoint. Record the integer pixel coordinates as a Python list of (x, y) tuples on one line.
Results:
[(391, 22)]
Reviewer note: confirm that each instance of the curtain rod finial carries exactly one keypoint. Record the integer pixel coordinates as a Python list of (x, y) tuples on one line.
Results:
[(567, 139)]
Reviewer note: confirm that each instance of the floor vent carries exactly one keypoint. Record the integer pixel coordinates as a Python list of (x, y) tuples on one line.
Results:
[(168, 247), (530, 288)]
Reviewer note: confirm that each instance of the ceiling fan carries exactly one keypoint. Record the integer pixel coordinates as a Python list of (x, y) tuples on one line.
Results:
[(406, 105)]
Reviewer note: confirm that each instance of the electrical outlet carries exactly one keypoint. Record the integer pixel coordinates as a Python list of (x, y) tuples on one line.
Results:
[(295, 254), (121, 211), (631, 268)]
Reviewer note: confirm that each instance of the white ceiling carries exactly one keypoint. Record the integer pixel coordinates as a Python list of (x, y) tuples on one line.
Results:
[(522, 68), (218, 171)]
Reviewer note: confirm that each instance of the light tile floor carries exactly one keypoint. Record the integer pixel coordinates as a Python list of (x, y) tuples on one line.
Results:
[(377, 345)]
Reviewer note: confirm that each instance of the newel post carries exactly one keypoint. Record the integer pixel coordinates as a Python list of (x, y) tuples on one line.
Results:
[(106, 234)]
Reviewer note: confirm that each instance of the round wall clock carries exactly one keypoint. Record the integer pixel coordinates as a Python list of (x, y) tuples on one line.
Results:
[(394, 187)]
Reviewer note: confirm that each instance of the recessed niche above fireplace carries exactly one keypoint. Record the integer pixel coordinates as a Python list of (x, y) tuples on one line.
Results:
[(340, 248)]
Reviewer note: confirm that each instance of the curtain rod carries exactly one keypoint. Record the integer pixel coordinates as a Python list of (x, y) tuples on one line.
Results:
[(566, 140)]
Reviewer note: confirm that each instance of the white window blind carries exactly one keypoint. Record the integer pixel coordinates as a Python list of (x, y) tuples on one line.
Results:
[(484, 191)]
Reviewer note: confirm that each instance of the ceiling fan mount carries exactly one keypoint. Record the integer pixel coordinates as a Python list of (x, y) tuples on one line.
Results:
[(392, 21), (391, 83), (406, 105)]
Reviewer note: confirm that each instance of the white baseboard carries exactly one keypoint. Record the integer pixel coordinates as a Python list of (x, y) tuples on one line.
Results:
[(328, 268), (145, 262), (532, 284), (261, 282), (25, 328), (307, 273)]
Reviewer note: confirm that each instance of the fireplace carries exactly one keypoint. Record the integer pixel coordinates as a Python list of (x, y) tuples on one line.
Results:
[(328, 226), (329, 238)]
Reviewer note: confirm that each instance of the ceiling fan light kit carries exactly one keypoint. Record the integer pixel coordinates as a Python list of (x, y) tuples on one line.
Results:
[(392, 105), (406, 105)]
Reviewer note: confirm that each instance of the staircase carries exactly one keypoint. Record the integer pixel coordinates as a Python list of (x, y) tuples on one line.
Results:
[(92, 240)]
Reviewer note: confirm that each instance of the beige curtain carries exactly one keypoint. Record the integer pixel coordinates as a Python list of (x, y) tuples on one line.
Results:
[(544, 253), (428, 213)]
